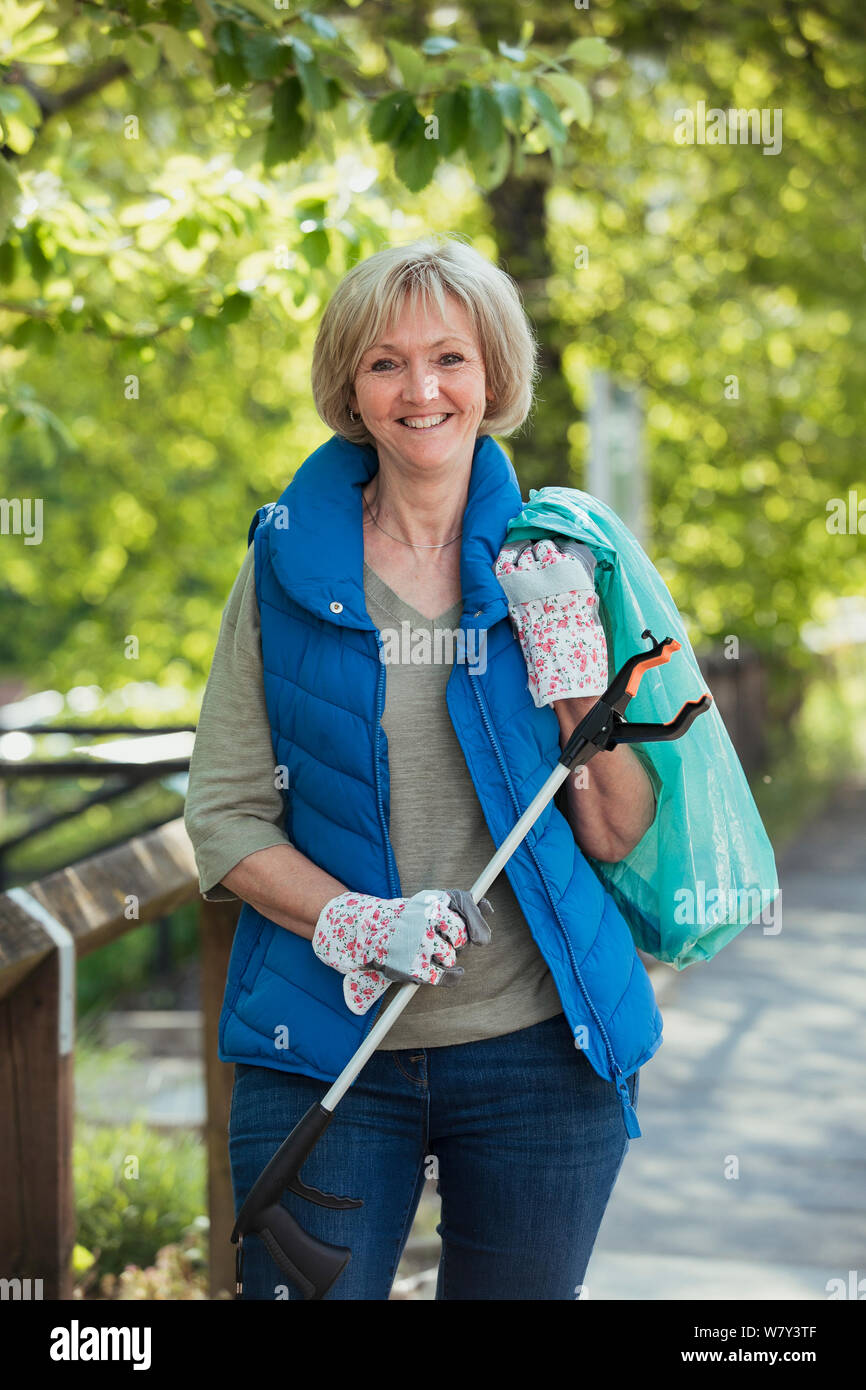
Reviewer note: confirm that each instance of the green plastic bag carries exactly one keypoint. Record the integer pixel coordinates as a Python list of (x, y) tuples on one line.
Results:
[(705, 869)]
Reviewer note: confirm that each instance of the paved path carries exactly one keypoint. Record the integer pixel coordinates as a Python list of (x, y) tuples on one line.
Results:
[(764, 1060)]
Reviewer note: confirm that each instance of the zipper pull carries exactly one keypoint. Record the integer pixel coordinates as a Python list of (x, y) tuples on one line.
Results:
[(629, 1114)]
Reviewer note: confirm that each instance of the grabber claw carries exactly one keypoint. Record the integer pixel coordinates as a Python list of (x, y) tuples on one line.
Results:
[(605, 724)]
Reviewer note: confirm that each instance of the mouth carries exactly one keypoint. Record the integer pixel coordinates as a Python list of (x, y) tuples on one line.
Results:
[(424, 422)]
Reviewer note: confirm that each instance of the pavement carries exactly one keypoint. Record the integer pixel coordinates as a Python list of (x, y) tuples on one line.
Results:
[(750, 1178)]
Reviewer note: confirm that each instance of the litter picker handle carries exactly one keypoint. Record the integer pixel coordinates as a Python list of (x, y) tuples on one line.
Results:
[(315, 1265)]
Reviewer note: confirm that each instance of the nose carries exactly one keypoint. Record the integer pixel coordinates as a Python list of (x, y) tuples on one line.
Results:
[(421, 384)]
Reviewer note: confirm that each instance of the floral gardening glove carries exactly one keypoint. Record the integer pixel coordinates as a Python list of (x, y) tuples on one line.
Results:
[(553, 609), (373, 941)]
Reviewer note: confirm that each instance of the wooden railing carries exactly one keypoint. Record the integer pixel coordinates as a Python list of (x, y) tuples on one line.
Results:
[(45, 927)]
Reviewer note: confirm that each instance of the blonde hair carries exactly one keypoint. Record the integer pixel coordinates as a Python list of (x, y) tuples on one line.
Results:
[(370, 297)]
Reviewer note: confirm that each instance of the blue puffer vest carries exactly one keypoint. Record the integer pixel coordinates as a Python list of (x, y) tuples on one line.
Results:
[(325, 694)]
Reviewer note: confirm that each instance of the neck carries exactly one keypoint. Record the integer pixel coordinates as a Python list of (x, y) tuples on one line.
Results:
[(422, 511)]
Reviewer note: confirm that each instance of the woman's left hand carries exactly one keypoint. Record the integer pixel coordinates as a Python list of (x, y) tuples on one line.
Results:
[(554, 611)]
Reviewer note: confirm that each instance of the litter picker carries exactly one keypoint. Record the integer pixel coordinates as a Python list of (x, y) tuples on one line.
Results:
[(314, 1265)]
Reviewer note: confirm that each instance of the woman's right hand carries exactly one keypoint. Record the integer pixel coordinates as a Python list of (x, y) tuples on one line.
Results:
[(373, 941)]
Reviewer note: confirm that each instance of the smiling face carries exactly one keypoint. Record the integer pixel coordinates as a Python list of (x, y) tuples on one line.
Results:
[(421, 391)]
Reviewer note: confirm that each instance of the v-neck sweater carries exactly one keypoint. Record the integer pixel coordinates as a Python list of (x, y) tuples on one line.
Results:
[(436, 825)]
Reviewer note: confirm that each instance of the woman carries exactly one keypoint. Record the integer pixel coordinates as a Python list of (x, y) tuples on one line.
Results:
[(346, 770)]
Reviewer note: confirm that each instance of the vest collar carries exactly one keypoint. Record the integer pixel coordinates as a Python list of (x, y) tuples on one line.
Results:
[(317, 550)]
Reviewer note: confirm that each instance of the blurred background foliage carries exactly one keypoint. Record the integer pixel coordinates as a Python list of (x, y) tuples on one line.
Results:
[(182, 185)]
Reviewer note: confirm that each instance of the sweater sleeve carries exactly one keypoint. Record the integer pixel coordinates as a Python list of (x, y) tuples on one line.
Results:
[(233, 806)]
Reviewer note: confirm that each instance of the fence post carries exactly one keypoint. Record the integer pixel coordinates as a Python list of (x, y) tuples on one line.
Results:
[(37, 1211), (217, 922)]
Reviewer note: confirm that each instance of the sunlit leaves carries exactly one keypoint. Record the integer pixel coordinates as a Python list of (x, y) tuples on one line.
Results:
[(590, 51), (485, 121), (452, 113), (572, 94), (410, 64), (287, 131)]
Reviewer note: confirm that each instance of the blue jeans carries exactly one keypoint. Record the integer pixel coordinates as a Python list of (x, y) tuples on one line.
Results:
[(525, 1138)]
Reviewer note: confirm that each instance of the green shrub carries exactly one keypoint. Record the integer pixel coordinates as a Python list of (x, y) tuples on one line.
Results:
[(136, 1190), (179, 1272), (129, 962)]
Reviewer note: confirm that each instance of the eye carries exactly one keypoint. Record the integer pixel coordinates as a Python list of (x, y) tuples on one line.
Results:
[(382, 361), (455, 355)]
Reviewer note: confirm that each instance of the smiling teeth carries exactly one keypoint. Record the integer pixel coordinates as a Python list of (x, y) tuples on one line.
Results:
[(423, 422)]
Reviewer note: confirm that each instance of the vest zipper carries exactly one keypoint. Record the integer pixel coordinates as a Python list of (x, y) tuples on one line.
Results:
[(393, 879), (630, 1119)]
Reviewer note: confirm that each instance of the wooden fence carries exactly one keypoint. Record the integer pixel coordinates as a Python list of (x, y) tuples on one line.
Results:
[(44, 928)]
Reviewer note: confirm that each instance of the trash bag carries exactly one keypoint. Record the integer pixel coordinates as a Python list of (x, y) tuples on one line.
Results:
[(705, 868)]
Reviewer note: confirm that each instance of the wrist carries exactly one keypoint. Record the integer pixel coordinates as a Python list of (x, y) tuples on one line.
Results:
[(572, 710)]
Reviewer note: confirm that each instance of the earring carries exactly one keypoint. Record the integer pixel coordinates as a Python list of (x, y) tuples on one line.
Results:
[(352, 416)]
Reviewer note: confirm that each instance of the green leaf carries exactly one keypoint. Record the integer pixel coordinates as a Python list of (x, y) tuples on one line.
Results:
[(333, 92), (18, 101), (229, 36), (594, 52), (229, 69), (287, 131), (34, 333), (235, 307), (7, 262), (142, 55), (313, 82), (206, 333), (188, 230), (451, 109), (391, 116), (510, 99), (10, 192), (315, 247), (489, 170), (34, 255), (303, 50), (517, 55), (415, 159), (315, 209), (545, 108), (439, 43), (485, 118), (264, 56), (82, 1259), (410, 64), (573, 94), (319, 25)]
